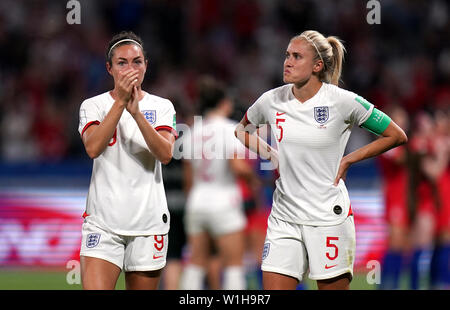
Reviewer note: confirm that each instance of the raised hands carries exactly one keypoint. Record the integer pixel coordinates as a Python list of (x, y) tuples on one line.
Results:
[(125, 84), (133, 102)]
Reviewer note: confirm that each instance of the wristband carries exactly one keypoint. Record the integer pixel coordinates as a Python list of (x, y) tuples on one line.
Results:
[(377, 122)]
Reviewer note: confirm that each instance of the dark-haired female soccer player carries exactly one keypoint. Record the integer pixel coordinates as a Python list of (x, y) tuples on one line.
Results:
[(128, 133)]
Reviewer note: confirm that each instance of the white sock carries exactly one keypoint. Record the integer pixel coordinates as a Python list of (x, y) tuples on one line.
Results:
[(234, 278), (192, 277)]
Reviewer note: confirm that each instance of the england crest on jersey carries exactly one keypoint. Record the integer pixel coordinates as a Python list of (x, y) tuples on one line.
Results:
[(321, 114), (92, 240), (266, 250), (150, 116)]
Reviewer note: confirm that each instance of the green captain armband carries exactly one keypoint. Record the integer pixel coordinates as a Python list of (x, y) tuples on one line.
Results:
[(377, 122)]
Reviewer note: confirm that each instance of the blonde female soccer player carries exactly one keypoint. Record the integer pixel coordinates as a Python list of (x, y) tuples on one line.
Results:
[(311, 224), (128, 133)]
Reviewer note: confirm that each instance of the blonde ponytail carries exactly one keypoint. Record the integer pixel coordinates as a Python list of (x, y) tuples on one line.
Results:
[(330, 51), (337, 59)]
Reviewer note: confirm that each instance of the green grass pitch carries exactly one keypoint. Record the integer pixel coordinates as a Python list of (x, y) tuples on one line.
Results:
[(26, 279)]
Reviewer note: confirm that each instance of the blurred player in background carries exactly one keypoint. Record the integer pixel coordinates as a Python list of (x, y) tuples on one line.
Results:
[(174, 186), (434, 165), (214, 207), (257, 209), (129, 133), (311, 224), (395, 172), (423, 204), (441, 174)]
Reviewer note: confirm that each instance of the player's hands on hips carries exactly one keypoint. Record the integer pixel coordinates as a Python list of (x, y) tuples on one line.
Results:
[(127, 80), (342, 172)]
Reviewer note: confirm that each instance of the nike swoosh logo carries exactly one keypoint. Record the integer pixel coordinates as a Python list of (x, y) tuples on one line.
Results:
[(156, 257), (279, 113), (328, 267)]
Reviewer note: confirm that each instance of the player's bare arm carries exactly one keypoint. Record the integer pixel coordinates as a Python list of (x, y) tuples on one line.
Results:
[(246, 133), (160, 143), (391, 137)]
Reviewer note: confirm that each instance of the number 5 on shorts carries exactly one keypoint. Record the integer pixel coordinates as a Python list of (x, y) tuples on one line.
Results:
[(331, 245)]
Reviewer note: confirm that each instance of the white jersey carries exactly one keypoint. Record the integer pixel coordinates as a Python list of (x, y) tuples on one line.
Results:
[(311, 140), (214, 185), (126, 192)]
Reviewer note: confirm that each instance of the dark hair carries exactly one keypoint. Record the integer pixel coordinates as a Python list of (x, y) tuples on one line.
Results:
[(123, 36), (210, 93)]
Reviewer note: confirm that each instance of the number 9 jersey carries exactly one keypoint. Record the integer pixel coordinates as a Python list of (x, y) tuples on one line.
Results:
[(126, 194)]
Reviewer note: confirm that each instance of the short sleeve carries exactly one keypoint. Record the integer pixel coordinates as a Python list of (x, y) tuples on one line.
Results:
[(362, 110), (166, 118), (89, 115), (256, 113)]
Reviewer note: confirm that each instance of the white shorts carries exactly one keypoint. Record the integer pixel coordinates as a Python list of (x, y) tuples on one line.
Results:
[(129, 253), (327, 251), (216, 223)]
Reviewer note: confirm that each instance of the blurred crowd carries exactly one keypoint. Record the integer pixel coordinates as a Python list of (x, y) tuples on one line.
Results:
[(48, 67), (416, 182)]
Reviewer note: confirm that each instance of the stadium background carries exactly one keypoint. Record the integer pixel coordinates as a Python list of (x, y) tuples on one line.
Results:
[(47, 67)]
